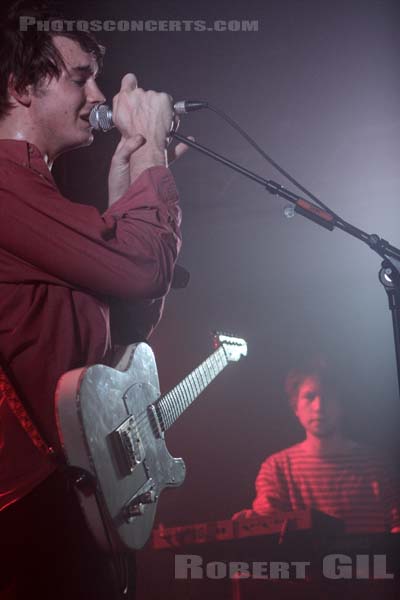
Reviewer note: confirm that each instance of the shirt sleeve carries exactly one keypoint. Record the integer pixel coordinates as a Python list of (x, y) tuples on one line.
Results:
[(271, 491), (134, 321), (128, 253)]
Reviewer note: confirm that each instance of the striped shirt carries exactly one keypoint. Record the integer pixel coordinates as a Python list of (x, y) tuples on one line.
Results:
[(354, 485)]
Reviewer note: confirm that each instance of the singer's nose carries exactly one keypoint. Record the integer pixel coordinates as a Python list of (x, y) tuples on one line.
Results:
[(95, 95)]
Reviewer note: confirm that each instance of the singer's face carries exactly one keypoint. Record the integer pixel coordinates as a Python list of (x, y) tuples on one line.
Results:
[(60, 107)]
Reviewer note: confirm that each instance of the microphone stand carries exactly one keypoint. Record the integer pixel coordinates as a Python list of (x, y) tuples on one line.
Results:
[(389, 273)]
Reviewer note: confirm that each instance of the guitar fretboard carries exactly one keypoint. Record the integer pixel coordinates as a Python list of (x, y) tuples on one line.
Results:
[(174, 403)]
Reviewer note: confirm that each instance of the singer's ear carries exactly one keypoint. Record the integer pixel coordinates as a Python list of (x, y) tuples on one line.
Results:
[(20, 95)]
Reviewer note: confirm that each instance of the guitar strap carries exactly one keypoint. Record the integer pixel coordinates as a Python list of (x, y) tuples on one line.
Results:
[(8, 392)]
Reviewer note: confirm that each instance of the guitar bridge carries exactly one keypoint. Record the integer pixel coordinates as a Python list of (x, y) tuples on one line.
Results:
[(128, 446)]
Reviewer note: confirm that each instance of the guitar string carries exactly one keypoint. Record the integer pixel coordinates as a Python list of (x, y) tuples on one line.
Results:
[(172, 413), (192, 384), (181, 390), (210, 364), (187, 391)]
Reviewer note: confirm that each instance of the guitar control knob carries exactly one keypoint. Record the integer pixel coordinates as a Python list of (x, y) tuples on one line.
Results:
[(148, 497), (134, 510)]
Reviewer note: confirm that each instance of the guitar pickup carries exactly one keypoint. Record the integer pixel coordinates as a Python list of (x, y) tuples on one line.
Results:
[(128, 446)]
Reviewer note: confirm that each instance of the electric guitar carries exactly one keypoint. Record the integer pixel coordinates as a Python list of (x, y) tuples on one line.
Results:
[(111, 423)]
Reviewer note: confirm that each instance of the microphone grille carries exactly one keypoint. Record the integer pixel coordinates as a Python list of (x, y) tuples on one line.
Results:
[(100, 117)]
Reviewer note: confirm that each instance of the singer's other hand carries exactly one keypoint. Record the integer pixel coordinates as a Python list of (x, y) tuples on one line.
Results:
[(119, 177), (146, 113), (175, 151), (246, 513)]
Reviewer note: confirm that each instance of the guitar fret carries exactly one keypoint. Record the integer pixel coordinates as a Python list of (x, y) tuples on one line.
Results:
[(191, 395), (180, 391), (205, 377), (188, 395), (208, 373), (167, 406), (177, 408), (180, 399), (195, 382), (219, 360), (222, 358), (202, 377), (214, 365), (166, 410)]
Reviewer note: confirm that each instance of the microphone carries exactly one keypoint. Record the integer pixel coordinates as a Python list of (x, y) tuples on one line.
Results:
[(100, 117)]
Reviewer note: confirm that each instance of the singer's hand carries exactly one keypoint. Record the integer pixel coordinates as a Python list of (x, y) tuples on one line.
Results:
[(246, 513), (119, 177), (175, 152), (148, 114)]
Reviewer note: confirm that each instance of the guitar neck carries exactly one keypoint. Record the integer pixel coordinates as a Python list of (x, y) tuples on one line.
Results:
[(170, 406)]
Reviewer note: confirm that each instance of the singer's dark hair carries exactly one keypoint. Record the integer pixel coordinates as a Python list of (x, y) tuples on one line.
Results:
[(30, 56), (318, 366)]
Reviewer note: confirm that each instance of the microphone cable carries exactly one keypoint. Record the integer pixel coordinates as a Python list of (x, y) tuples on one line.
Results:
[(270, 160)]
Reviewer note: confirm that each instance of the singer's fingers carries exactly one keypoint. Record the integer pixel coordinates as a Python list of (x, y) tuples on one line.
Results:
[(180, 149), (134, 143), (175, 152), (175, 121), (127, 147), (129, 82)]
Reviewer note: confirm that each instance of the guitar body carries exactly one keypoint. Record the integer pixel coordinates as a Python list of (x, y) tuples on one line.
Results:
[(108, 430)]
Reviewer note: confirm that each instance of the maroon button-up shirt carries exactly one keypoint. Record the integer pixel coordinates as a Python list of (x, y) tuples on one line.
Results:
[(64, 268)]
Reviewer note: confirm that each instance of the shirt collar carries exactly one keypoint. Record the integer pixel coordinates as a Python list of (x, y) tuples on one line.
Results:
[(25, 154)]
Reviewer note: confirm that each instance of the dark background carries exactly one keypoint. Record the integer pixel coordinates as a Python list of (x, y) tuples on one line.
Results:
[(318, 86)]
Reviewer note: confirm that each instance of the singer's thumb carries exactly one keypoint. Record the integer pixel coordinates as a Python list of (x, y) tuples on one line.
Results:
[(129, 82)]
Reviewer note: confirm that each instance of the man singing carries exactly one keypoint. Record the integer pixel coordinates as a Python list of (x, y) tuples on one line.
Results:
[(67, 273)]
